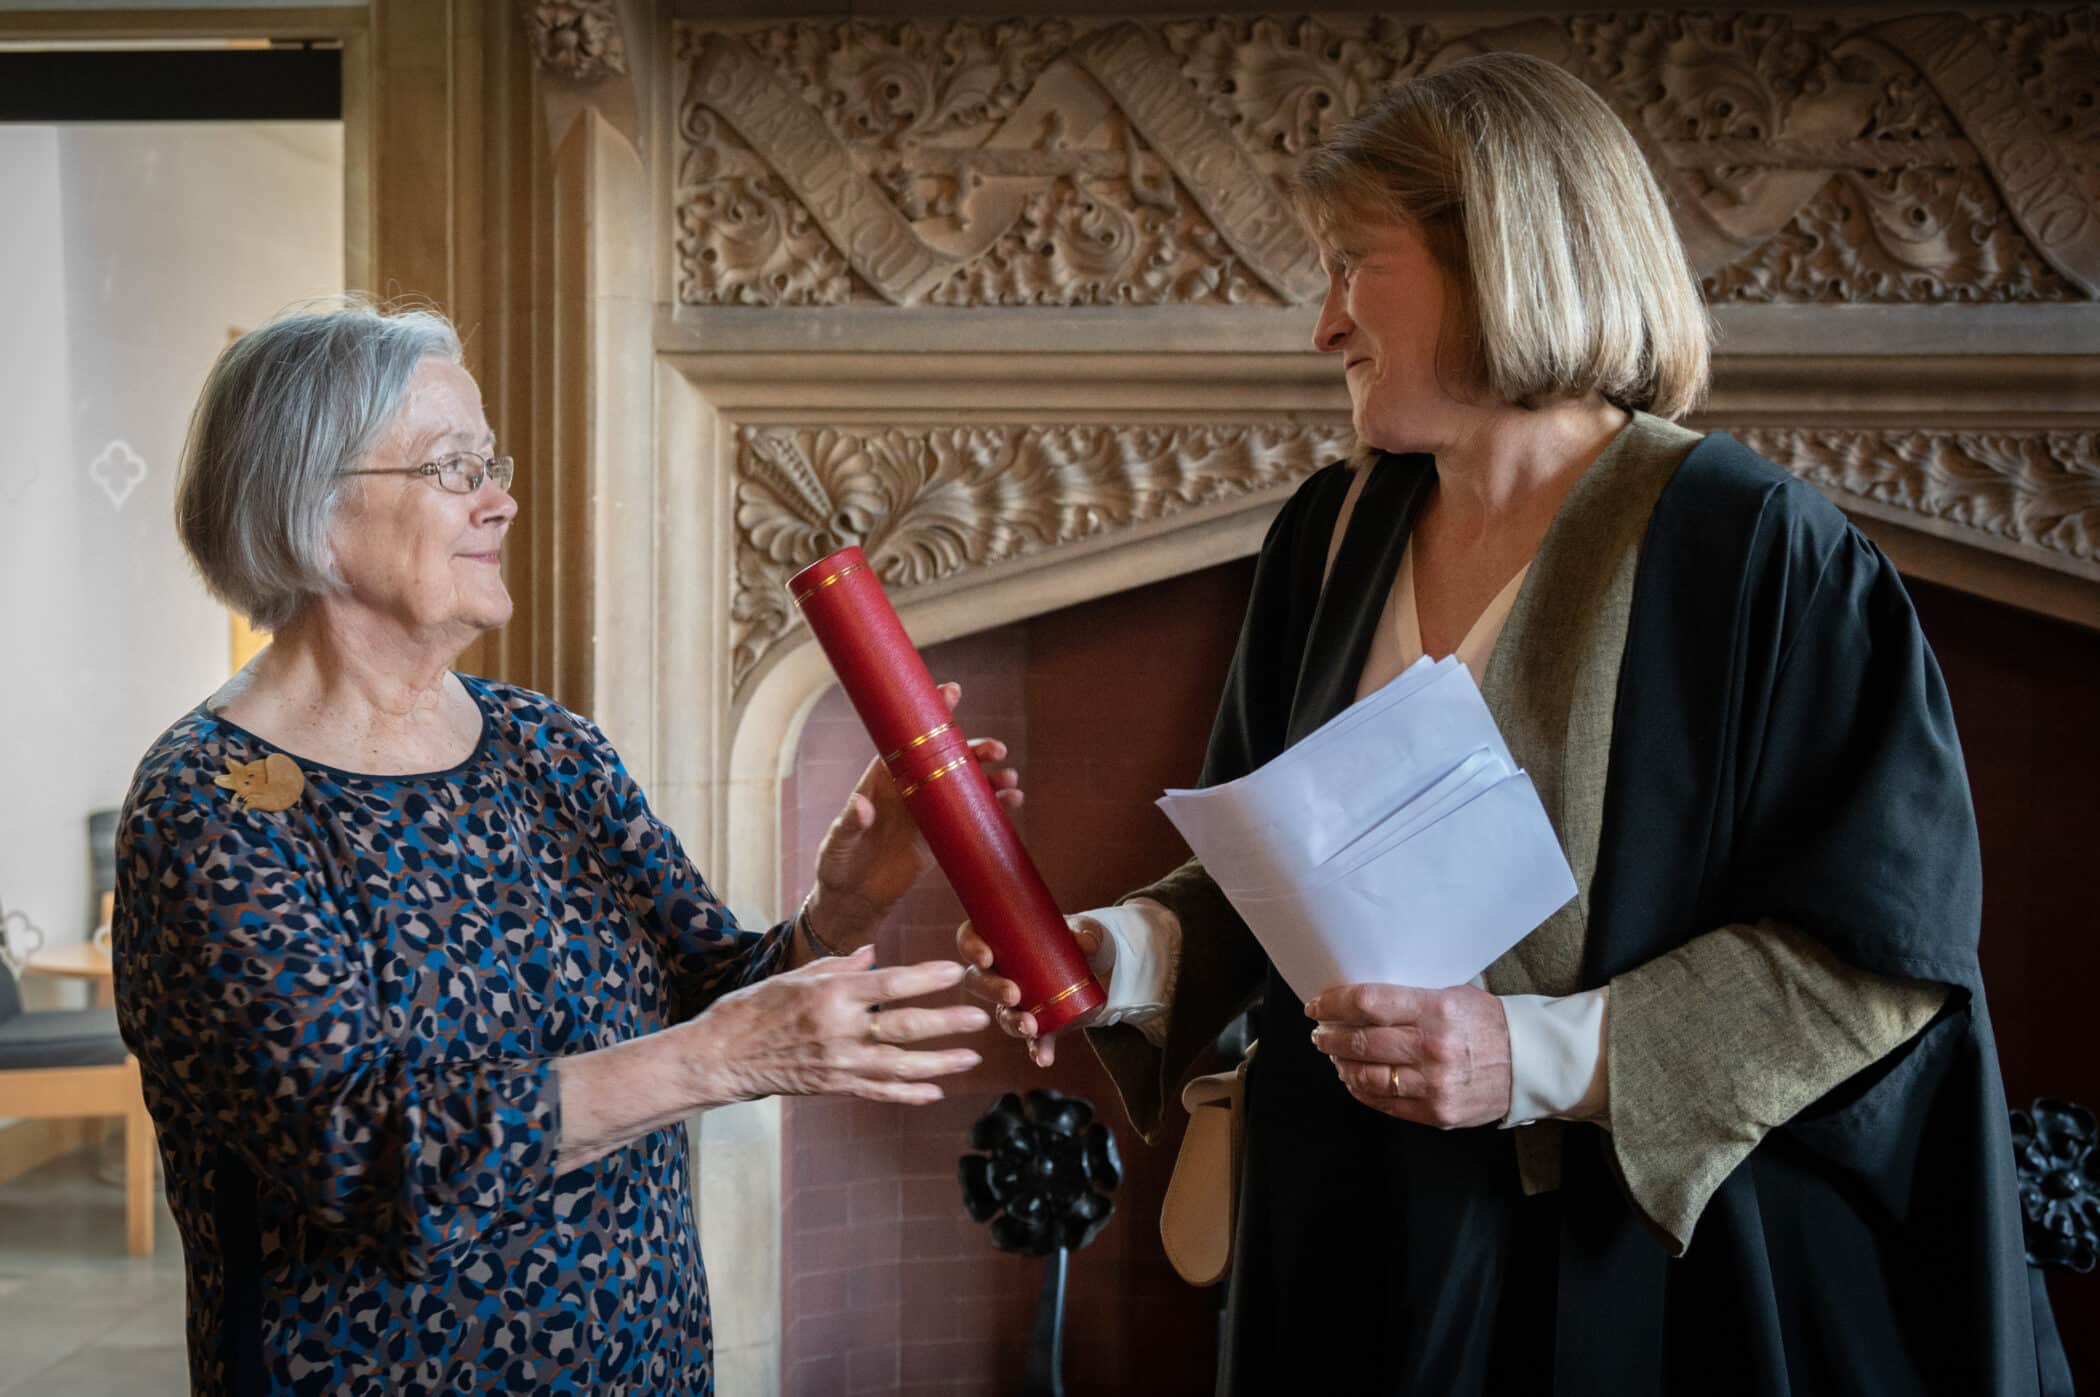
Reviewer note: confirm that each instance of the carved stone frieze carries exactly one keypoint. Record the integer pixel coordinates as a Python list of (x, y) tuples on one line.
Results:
[(925, 502), (929, 502), (1921, 235), (1084, 161), (2037, 490), (2055, 56), (577, 39)]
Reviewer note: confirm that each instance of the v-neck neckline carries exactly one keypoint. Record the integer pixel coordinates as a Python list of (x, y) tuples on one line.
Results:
[(1407, 617)]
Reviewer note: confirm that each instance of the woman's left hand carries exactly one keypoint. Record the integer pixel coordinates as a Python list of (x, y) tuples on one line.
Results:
[(873, 853), (1435, 1057)]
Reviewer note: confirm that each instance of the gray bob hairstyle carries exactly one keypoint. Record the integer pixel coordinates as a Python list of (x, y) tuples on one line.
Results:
[(285, 411), (1534, 198)]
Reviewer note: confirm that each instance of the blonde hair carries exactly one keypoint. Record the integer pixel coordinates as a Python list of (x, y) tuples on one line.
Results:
[(1534, 198)]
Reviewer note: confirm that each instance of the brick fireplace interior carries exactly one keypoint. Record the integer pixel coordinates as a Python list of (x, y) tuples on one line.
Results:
[(889, 1287)]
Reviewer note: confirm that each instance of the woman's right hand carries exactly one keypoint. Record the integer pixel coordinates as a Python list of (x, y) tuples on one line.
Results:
[(1004, 996), (835, 1028)]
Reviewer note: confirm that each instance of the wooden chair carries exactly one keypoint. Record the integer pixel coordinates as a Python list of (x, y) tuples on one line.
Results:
[(58, 1064)]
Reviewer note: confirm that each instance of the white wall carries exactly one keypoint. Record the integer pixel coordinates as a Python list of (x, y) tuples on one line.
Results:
[(137, 251), (40, 614)]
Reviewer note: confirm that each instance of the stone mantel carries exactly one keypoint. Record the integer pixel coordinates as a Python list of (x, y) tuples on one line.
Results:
[(1863, 189)]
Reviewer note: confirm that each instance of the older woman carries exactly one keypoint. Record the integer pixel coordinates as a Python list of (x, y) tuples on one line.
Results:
[(421, 990), (1731, 1119)]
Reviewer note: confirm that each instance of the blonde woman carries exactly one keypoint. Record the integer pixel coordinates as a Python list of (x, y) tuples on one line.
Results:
[(1731, 1119)]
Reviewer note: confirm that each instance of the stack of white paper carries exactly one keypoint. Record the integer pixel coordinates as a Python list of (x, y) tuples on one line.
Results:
[(1397, 844)]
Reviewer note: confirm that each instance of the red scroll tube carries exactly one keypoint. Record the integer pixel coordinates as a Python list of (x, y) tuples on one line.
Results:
[(944, 788)]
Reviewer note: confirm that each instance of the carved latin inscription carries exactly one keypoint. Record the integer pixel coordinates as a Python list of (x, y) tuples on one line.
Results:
[(1233, 193), (2043, 191)]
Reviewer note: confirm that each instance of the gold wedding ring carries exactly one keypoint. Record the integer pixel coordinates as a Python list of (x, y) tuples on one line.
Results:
[(1392, 1075)]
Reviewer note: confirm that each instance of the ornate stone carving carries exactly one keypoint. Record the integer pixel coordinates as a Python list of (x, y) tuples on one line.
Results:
[(1082, 161), (578, 39), (1812, 159), (1280, 85), (2039, 490), (2055, 57), (929, 502), (1931, 235), (926, 502), (1008, 164)]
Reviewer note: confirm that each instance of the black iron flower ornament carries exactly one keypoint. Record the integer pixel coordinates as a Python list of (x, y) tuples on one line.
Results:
[(2053, 1145), (1045, 1175)]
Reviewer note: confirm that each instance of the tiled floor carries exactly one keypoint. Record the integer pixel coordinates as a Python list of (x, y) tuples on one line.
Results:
[(78, 1317)]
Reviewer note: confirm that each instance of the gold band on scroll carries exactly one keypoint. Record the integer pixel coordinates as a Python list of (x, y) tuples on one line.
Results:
[(920, 741), (1062, 995), (936, 774), (847, 571)]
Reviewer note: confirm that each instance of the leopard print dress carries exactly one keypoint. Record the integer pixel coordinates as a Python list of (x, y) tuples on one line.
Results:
[(347, 1014)]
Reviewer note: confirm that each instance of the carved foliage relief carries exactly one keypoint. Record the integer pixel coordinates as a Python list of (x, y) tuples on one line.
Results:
[(2038, 491), (927, 502), (578, 39), (1080, 161)]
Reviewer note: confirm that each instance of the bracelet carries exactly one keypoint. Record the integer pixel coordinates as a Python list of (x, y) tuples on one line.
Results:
[(809, 930)]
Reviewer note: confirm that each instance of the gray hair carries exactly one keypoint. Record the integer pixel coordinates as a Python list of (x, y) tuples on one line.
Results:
[(285, 411)]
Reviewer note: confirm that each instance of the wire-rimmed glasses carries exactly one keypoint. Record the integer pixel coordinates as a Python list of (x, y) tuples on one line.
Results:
[(460, 473)]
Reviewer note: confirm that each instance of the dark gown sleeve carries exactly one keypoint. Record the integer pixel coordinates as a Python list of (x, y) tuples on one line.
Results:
[(1851, 879), (705, 954), (1222, 966), (1785, 752), (1853, 814), (242, 994)]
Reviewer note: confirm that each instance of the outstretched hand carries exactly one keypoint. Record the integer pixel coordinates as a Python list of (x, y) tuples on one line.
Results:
[(835, 1027), (873, 853), (1003, 996)]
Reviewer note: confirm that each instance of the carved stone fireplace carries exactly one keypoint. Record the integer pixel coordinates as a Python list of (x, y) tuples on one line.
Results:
[(1106, 474), (1017, 305)]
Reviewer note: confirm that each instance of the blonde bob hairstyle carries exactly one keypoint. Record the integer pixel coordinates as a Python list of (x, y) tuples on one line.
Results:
[(1535, 200)]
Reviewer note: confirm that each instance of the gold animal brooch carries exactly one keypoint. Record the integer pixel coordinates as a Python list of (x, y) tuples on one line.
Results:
[(274, 783)]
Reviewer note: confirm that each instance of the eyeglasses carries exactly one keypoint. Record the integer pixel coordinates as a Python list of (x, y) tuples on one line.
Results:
[(461, 473)]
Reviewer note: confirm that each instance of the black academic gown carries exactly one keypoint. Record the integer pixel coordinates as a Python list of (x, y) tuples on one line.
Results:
[(1783, 747)]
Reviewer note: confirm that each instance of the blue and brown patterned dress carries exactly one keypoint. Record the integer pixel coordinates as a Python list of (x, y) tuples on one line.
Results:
[(348, 1015)]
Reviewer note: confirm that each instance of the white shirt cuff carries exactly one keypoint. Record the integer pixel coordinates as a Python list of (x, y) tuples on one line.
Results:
[(1557, 1064), (1139, 959)]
